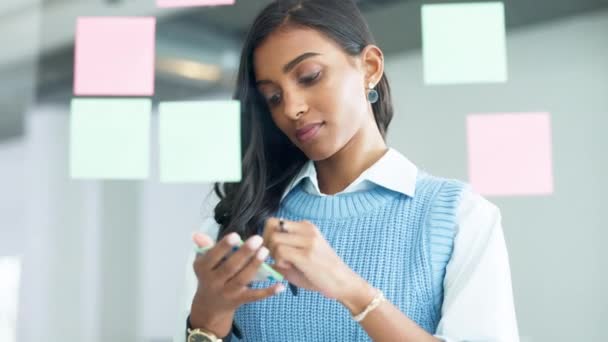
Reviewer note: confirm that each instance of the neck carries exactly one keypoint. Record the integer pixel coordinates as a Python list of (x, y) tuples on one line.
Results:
[(360, 153)]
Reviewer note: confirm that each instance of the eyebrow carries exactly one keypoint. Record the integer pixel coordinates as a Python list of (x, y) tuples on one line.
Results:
[(289, 66)]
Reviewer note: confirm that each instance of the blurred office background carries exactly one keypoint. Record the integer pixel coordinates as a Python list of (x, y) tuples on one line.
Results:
[(105, 260)]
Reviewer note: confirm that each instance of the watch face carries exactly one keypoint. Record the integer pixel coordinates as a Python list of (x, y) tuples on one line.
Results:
[(199, 338)]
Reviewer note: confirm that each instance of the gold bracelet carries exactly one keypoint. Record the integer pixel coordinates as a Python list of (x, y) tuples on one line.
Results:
[(378, 299)]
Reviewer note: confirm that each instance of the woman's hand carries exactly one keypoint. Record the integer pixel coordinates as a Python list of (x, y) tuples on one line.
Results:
[(222, 284), (307, 260)]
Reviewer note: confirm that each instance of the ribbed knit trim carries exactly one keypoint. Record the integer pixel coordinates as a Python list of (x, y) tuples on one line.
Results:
[(344, 205), (442, 223)]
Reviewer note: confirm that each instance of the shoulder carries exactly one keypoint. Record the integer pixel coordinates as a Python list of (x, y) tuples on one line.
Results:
[(476, 215), (469, 199), (474, 204), (426, 181), (440, 191), (470, 209)]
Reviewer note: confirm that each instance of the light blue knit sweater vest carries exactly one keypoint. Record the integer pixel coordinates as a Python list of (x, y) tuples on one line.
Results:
[(399, 244)]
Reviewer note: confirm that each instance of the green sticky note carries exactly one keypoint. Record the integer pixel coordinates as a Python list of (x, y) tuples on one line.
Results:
[(464, 43), (110, 138), (200, 141)]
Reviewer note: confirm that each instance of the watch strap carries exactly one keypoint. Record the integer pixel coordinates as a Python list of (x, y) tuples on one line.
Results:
[(234, 330)]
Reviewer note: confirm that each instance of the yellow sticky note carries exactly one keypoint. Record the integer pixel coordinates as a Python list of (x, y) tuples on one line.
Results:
[(200, 141), (110, 138)]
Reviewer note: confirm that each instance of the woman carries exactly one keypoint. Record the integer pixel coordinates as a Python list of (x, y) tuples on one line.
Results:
[(375, 248)]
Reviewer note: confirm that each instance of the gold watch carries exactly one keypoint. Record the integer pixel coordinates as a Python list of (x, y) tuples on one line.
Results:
[(200, 335)]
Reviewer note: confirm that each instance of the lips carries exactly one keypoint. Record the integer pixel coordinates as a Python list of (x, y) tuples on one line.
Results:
[(308, 131)]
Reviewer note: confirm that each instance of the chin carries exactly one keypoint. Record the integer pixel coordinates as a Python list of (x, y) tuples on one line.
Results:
[(318, 152)]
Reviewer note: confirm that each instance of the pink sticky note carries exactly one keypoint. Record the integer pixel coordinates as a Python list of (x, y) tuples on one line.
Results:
[(510, 154), (114, 56), (192, 3)]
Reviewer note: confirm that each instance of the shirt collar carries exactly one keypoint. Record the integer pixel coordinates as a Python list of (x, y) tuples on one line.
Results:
[(392, 171)]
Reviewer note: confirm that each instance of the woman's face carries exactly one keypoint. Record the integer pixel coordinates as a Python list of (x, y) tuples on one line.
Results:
[(306, 78)]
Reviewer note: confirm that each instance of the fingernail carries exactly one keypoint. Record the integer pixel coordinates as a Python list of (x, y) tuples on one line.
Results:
[(255, 242), (280, 288), (262, 253), (233, 238)]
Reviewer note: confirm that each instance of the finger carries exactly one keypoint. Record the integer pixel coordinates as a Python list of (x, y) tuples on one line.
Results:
[(280, 239), (272, 224), (253, 295), (202, 240), (296, 228), (297, 241), (284, 270), (239, 259), (247, 274), (284, 255), (214, 257)]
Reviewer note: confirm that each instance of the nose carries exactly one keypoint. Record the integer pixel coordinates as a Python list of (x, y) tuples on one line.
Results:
[(294, 105)]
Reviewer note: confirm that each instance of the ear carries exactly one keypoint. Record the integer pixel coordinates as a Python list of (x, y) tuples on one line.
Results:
[(373, 64)]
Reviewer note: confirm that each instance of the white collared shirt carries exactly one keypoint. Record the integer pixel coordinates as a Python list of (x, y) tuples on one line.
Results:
[(478, 297)]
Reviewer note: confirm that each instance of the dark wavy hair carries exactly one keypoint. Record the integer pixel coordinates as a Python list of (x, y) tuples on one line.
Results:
[(269, 159)]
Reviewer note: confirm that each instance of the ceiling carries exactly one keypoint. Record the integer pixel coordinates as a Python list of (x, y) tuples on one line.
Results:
[(40, 61)]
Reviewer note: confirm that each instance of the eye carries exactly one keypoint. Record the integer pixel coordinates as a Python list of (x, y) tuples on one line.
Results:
[(310, 79), (274, 100)]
